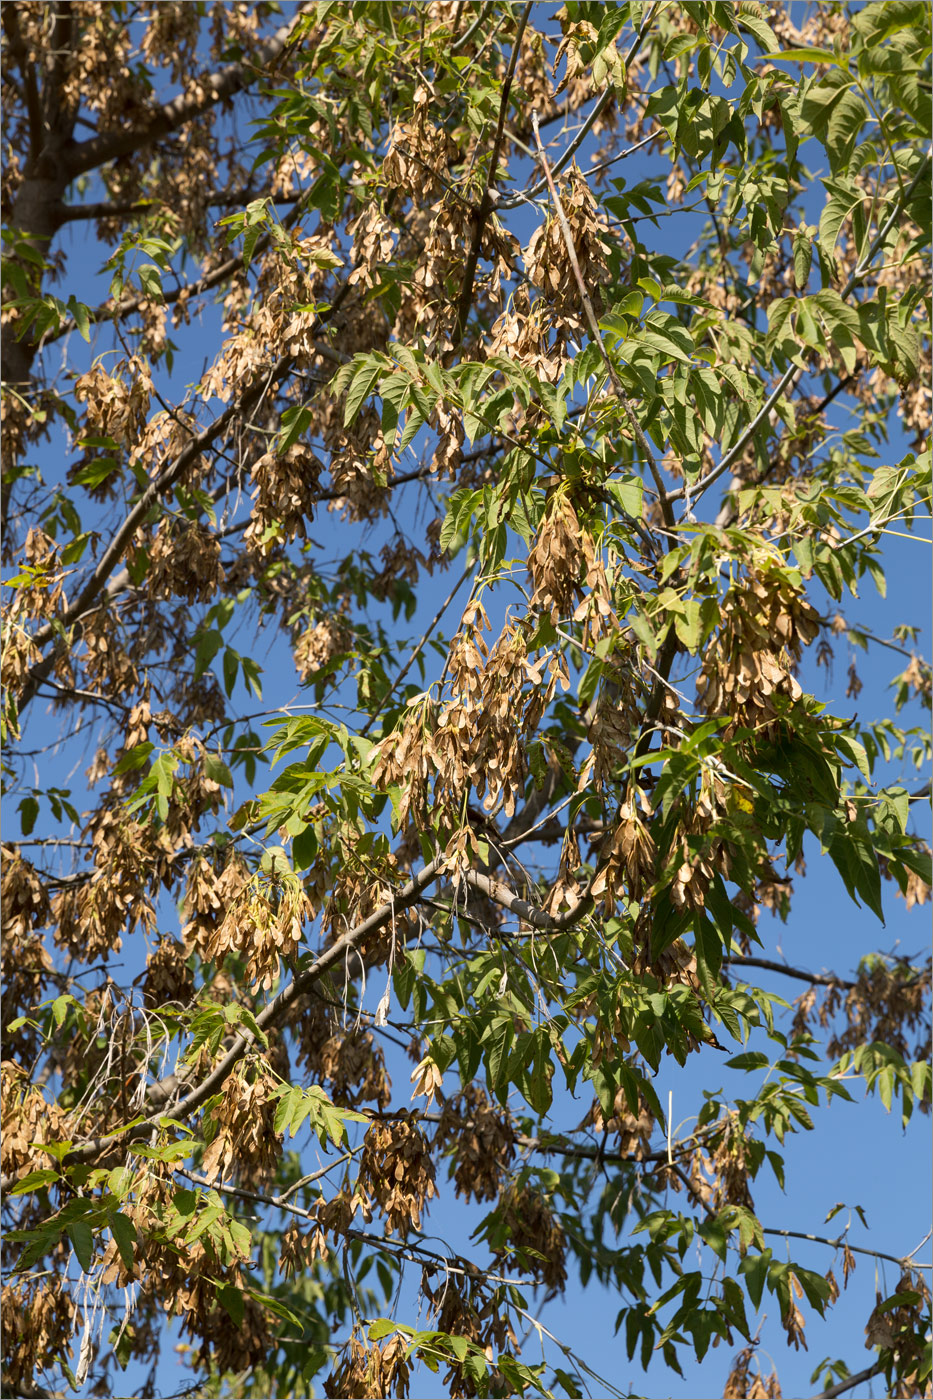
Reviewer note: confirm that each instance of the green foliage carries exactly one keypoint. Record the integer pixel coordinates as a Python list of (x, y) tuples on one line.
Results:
[(659, 412)]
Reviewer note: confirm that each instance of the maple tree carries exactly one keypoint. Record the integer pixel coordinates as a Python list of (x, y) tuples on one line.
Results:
[(416, 547)]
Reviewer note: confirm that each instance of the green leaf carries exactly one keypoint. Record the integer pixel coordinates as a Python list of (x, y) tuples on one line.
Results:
[(82, 1238), (843, 198), (217, 770), (628, 492), (805, 55), (81, 317), (231, 665), (846, 120), (361, 386), (876, 23), (150, 279), (751, 1059), (803, 256), (134, 758), (233, 1302), (34, 1181), (124, 1232), (852, 750), (28, 811), (497, 1044)]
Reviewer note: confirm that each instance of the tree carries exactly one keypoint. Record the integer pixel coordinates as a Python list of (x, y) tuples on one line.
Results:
[(421, 550)]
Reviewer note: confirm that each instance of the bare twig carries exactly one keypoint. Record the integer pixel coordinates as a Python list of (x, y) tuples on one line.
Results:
[(840, 1243), (817, 979)]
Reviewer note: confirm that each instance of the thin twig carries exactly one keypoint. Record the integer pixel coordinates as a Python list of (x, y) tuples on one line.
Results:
[(601, 103), (467, 35), (813, 977), (735, 452), (486, 202), (618, 388), (841, 1243), (420, 646), (842, 1386), (27, 69)]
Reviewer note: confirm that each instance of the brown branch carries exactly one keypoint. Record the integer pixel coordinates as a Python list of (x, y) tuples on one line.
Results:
[(272, 1015), (842, 1386), (156, 488), (529, 913), (486, 203), (110, 310), (38, 204), (816, 978), (841, 1243), (61, 46), (212, 87), (617, 386), (280, 1202), (467, 34), (10, 19), (116, 209), (416, 1253), (871, 637), (692, 1191)]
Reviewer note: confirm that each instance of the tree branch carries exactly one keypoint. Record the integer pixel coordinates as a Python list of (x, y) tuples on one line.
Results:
[(419, 647), (728, 512), (212, 88), (529, 913), (152, 493), (156, 488), (842, 1386), (272, 1015), (816, 978), (513, 201), (60, 50), (110, 310), (10, 18), (839, 1244), (486, 203), (694, 491), (590, 313)]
